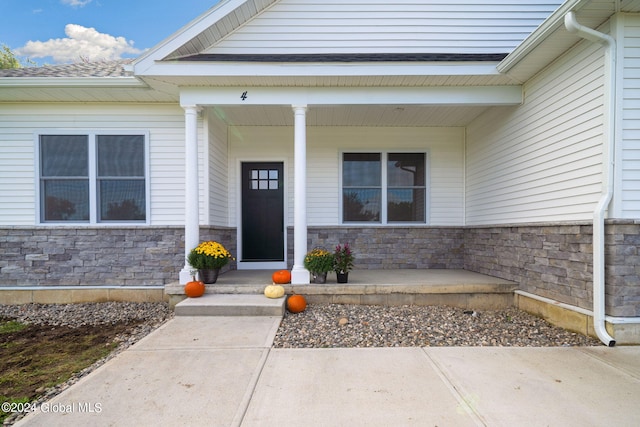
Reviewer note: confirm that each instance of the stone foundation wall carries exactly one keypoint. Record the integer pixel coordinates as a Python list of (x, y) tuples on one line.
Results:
[(392, 248), (60, 256), (553, 261), (556, 261), (622, 268), (550, 261)]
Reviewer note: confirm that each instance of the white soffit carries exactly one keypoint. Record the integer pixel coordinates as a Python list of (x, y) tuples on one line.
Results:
[(351, 115)]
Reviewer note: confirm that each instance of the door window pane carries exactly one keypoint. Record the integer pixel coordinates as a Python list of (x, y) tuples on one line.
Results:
[(264, 179)]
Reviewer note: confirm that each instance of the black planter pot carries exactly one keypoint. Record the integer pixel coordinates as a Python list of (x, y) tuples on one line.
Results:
[(342, 277), (209, 276)]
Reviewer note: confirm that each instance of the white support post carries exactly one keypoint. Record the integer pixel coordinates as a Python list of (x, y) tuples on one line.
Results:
[(299, 274), (191, 202)]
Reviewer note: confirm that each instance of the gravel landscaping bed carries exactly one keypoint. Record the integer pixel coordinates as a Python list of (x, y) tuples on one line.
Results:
[(335, 325), (150, 315), (94, 314)]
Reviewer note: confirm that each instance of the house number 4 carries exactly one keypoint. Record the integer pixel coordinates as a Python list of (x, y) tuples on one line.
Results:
[(244, 95)]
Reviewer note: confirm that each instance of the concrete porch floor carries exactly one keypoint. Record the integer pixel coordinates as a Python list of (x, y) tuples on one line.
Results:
[(399, 277), (459, 288)]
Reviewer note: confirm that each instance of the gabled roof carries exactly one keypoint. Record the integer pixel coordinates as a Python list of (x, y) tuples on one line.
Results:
[(251, 37), (215, 23)]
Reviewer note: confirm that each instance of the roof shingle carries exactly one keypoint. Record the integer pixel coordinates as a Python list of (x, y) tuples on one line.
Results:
[(80, 69)]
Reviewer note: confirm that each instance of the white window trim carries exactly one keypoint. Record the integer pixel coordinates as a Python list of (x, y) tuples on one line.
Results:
[(383, 198), (93, 199)]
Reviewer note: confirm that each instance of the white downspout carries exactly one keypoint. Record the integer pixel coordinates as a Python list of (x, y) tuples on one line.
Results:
[(609, 42)]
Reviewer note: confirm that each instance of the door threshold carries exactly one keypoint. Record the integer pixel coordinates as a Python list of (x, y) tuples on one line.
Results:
[(266, 265)]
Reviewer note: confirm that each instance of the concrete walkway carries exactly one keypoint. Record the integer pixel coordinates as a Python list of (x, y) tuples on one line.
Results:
[(221, 371)]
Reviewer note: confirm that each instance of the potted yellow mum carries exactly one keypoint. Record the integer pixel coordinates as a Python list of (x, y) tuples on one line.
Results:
[(319, 261), (208, 258)]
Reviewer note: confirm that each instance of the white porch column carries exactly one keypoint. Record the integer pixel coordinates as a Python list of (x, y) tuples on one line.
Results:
[(300, 275), (191, 202)]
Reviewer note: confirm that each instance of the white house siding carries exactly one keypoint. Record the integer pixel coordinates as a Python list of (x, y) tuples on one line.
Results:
[(541, 161), (445, 155), (631, 117), (19, 123), (375, 26), (218, 210)]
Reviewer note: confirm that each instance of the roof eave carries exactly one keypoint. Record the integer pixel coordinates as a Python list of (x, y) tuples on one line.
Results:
[(549, 26), (107, 82), (314, 69)]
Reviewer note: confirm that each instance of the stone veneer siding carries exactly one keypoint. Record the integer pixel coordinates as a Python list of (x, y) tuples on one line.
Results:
[(556, 261), (550, 260), (622, 268), (392, 247), (66, 256)]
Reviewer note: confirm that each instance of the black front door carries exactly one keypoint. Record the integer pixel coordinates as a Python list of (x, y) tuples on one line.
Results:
[(262, 212)]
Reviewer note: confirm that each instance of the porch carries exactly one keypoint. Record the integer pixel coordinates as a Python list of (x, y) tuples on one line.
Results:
[(459, 288)]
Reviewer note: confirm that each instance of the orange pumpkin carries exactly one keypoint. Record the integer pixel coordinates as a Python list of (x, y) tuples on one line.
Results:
[(281, 277), (194, 289), (296, 303)]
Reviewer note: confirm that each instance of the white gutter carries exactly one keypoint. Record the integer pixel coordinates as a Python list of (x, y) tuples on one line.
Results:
[(609, 42)]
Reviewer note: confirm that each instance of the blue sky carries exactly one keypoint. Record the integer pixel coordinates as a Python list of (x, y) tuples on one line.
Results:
[(63, 31)]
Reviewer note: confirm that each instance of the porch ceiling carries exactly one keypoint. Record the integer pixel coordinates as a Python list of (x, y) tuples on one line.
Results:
[(352, 115)]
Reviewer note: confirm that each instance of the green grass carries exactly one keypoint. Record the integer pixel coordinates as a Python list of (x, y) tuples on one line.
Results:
[(9, 326)]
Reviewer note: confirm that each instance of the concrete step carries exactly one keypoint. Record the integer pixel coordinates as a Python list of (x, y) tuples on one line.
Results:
[(231, 305)]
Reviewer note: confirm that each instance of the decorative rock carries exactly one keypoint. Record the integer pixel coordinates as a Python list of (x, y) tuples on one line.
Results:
[(417, 326)]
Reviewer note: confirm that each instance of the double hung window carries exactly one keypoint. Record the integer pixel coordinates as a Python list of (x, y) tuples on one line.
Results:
[(384, 187), (93, 178)]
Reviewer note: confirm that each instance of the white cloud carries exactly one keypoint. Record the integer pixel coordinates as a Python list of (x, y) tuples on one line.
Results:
[(75, 3), (81, 42)]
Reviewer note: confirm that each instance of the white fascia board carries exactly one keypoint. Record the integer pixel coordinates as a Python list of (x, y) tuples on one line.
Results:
[(248, 69), (449, 95), (185, 34), (72, 82), (548, 26)]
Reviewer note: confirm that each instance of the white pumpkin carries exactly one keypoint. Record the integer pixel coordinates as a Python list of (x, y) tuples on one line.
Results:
[(274, 291)]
